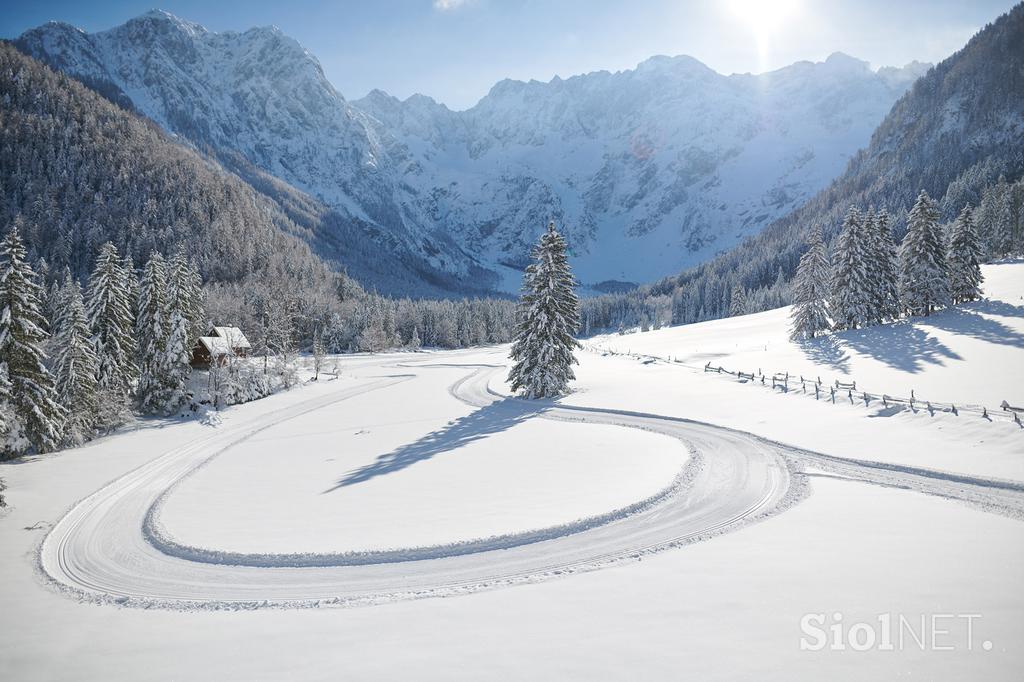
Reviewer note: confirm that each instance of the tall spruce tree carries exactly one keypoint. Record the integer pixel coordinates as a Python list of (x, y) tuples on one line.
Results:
[(153, 328), (738, 302), (924, 285), (75, 366), (887, 268), (181, 304), (963, 259), (111, 313), (21, 349), (851, 302), (548, 319), (810, 289)]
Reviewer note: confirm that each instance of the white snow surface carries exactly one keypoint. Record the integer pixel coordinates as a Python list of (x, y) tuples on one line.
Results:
[(357, 475), (908, 514)]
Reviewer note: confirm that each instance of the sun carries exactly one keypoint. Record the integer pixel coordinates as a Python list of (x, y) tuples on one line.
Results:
[(765, 19)]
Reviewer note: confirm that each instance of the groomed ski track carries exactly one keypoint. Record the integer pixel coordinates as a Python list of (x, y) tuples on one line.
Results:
[(110, 546)]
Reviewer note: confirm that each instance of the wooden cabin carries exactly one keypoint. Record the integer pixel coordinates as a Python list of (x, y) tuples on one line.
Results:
[(219, 344)]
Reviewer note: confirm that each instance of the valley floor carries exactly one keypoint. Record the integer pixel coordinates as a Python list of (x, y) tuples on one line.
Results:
[(409, 520)]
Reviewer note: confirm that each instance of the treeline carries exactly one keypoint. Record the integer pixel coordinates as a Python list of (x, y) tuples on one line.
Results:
[(126, 343), (869, 281), (743, 281)]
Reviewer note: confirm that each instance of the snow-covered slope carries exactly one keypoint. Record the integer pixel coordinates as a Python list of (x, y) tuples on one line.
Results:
[(648, 170)]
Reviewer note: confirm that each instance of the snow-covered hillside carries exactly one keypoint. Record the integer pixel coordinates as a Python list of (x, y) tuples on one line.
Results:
[(964, 354), (645, 525), (648, 170)]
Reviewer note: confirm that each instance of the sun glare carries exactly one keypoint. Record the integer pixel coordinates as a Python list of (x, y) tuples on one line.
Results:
[(765, 19)]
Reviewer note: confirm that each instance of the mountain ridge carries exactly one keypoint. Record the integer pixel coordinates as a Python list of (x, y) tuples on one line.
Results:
[(647, 170)]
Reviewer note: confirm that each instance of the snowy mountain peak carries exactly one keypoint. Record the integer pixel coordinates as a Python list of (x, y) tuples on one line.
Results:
[(841, 60), (646, 170)]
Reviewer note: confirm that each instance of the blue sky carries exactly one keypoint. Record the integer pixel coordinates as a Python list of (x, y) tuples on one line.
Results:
[(455, 50)]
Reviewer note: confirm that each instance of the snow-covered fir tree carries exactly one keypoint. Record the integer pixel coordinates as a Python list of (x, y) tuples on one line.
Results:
[(1003, 241), (75, 366), (21, 348), (549, 317), (963, 259), (886, 269), (851, 303), (153, 329), (177, 367), (924, 285), (111, 314), (12, 438), (738, 302), (414, 340), (810, 289)]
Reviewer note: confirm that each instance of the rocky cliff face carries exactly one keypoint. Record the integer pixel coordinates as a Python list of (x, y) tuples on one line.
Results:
[(648, 170)]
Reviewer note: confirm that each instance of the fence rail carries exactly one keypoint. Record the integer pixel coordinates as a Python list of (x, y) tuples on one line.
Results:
[(840, 391)]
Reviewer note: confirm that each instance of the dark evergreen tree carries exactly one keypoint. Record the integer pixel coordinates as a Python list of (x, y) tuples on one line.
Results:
[(21, 349), (963, 258), (887, 269), (75, 366), (738, 302), (549, 318), (923, 281), (153, 328), (852, 302), (810, 289), (111, 312)]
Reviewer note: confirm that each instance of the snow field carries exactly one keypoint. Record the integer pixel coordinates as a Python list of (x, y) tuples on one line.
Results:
[(362, 475), (968, 354)]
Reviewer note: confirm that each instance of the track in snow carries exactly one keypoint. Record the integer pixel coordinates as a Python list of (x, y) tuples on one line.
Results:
[(109, 547)]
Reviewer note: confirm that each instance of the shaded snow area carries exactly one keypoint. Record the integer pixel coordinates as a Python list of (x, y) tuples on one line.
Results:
[(410, 520)]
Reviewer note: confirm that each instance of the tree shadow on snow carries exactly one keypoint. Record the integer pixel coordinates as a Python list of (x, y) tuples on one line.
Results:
[(967, 319), (902, 345), (826, 350), (486, 421)]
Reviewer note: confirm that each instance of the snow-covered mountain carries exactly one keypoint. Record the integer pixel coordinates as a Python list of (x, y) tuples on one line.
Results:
[(648, 170)]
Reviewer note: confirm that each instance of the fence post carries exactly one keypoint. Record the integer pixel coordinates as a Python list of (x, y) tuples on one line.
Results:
[(815, 391), (833, 389), (885, 400), (984, 412), (953, 408)]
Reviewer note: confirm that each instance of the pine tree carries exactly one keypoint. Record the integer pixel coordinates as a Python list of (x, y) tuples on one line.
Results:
[(887, 269), (111, 315), (414, 340), (810, 289), (851, 303), (21, 342), (923, 282), (75, 366), (738, 304), (963, 259), (548, 318), (153, 328)]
